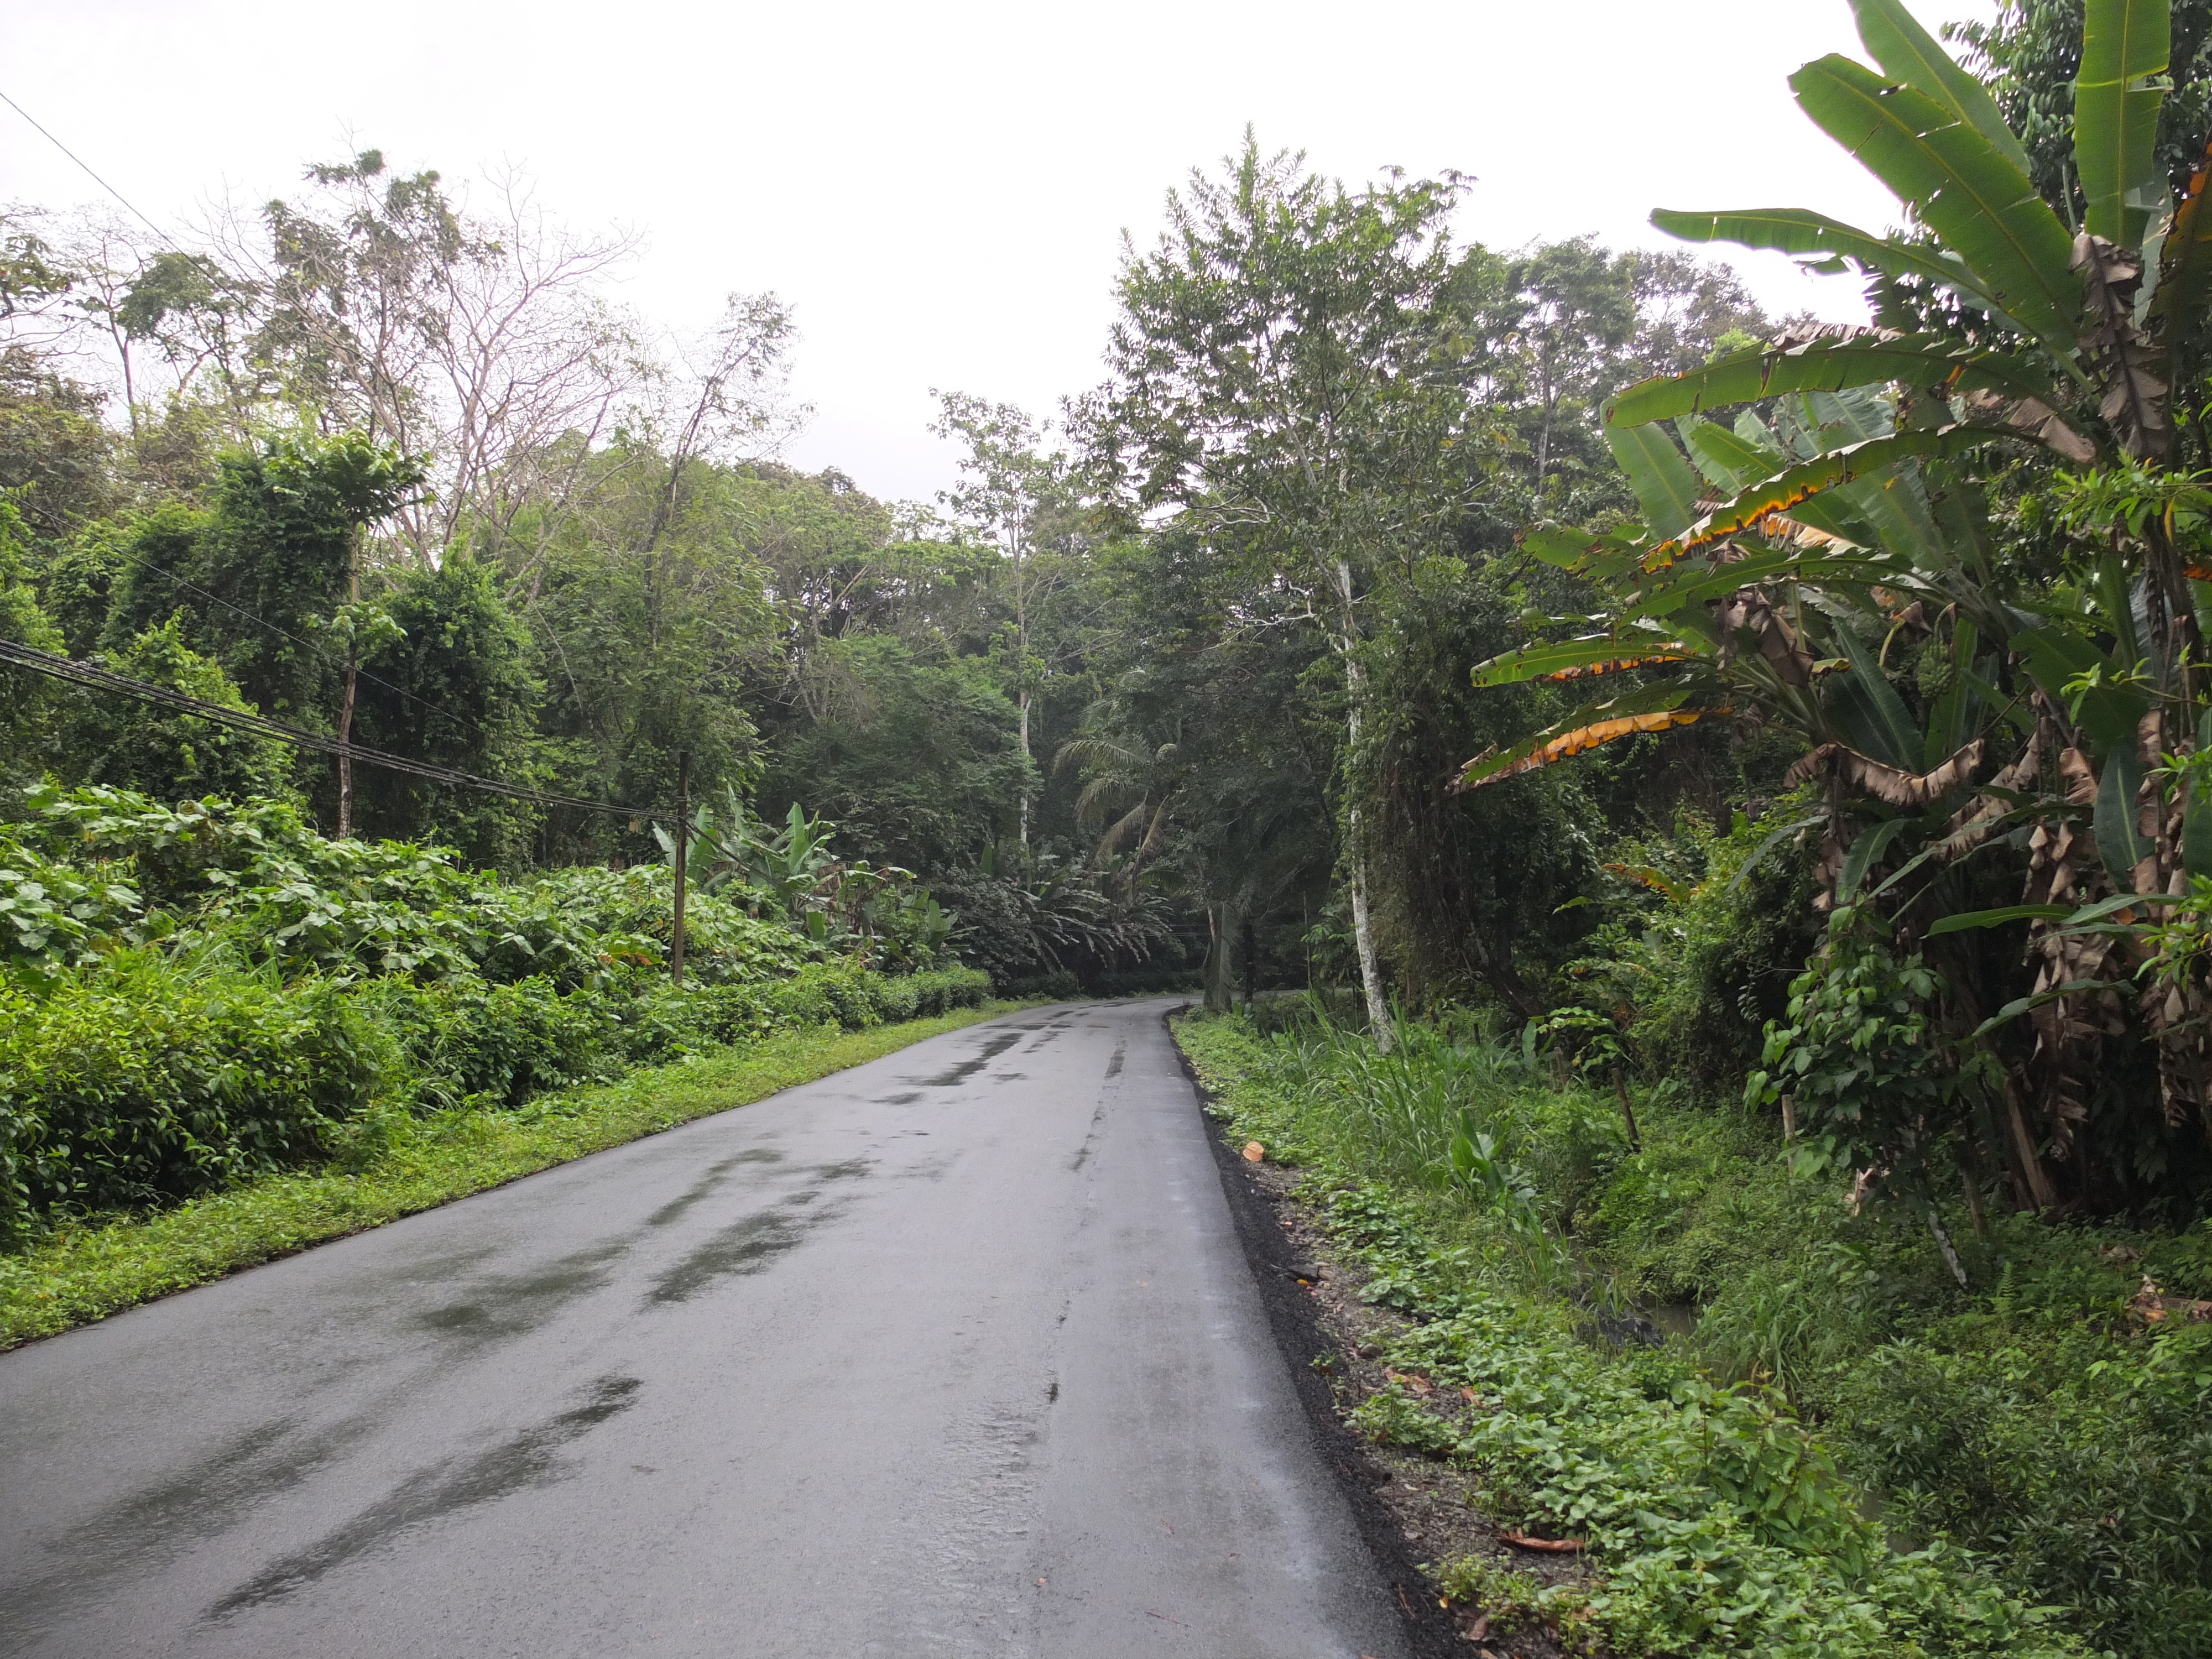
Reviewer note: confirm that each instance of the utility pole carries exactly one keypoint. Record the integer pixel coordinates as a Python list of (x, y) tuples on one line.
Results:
[(683, 859)]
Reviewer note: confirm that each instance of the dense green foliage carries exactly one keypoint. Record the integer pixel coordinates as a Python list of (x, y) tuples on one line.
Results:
[(198, 993), (1882, 876), (1846, 1453)]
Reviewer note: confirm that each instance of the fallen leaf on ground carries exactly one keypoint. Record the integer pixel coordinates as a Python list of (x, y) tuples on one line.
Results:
[(2152, 1305), (1522, 1541)]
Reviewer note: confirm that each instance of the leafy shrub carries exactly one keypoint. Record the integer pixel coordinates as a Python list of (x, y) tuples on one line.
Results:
[(135, 1071), (148, 1079), (53, 916), (470, 1040)]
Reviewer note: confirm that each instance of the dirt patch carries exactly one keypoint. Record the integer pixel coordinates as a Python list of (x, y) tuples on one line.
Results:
[(1413, 1511)]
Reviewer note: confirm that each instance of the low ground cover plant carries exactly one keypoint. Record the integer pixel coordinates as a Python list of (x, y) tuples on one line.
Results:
[(190, 996), (1849, 1454)]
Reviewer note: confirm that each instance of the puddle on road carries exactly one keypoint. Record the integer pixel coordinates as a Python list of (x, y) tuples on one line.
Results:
[(528, 1460), (743, 1248), (514, 1305), (201, 1500), (954, 1076), (716, 1174)]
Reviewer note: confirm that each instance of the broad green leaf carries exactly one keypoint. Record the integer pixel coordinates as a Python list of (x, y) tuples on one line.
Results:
[(2020, 1006), (1920, 359), (2196, 815), (1909, 53), (2110, 712), (1866, 711), (2118, 841), (1865, 851), (2124, 47), (1951, 717), (1664, 485), (1800, 231), (1957, 184), (1730, 460), (1560, 544), (1595, 653), (1965, 920), (2115, 599)]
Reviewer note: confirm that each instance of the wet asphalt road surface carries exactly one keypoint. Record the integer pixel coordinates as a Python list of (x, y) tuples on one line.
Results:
[(952, 1353)]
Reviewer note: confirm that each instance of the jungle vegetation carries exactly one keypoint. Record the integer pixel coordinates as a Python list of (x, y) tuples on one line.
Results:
[(1590, 688)]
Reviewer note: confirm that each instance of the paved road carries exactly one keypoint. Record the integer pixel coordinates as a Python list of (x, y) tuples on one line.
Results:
[(952, 1353)]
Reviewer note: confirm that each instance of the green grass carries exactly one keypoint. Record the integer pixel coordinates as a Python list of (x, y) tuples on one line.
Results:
[(395, 1165), (1721, 1520)]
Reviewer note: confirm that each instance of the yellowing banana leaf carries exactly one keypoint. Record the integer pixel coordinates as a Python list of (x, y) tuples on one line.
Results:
[(1800, 231), (1978, 203), (1567, 660), (1665, 487), (1907, 53), (1829, 365), (1800, 483), (2124, 47), (1655, 709), (2184, 284), (1644, 875)]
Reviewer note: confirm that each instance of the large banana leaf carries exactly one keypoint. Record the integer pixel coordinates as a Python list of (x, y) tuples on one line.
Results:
[(1892, 504), (1665, 487), (1655, 709), (1728, 460), (1800, 231), (1957, 184), (2107, 707), (2124, 46), (1909, 53), (1921, 360), (2118, 843), (1592, 655), (2184, 285), (1788, 491), (1866, 712)]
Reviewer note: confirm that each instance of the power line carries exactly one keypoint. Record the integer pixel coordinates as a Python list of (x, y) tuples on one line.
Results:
[(72, 673), (81, 162)]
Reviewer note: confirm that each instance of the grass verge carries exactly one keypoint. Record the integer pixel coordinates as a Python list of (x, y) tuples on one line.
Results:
[(396, 1165), (1709, 1519)]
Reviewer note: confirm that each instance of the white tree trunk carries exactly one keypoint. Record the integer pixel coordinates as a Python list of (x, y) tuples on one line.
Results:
[(1362, 926), (1025, 776)]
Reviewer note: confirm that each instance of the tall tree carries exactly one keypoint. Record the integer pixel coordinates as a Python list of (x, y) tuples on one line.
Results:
[(1021, 501), (1285, 378)]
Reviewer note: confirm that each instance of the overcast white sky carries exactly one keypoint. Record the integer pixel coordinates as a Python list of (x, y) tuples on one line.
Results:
[(940, 190)]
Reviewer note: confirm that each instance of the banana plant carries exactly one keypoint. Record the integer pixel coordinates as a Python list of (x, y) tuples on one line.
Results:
[(1781, 556)]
